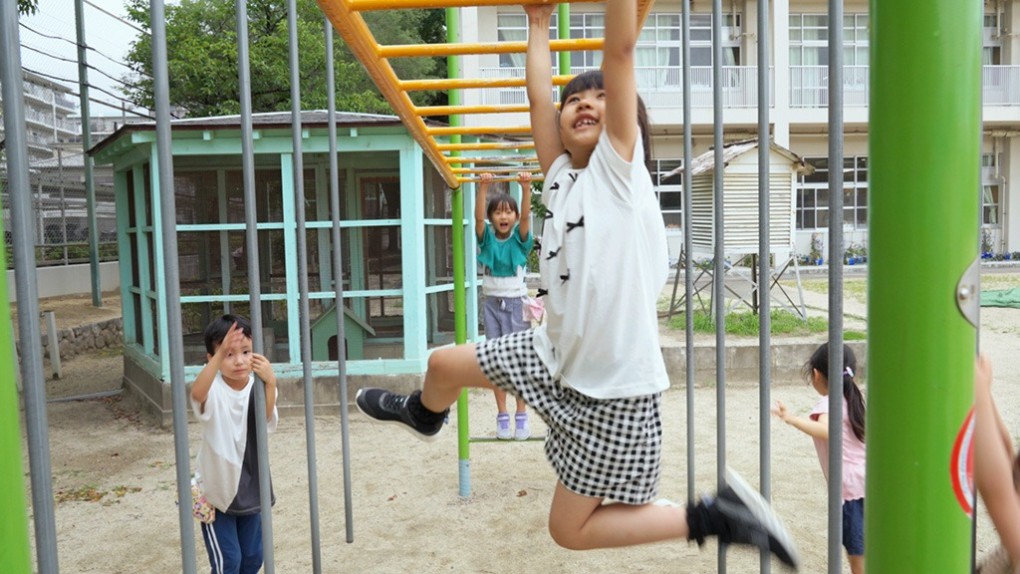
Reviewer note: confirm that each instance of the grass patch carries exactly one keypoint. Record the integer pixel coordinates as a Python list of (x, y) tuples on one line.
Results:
[(91, 493), (997, 281), (856, 288), (855, 336), (107, 352), (747, 324)]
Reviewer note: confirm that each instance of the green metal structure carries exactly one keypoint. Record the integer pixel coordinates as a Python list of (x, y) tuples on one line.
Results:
[(14, 550), (924, 152)]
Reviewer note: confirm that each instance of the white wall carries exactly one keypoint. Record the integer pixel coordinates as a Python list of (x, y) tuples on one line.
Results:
[(69, 280)]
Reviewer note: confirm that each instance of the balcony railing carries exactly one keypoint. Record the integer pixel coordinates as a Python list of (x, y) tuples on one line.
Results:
[(660, 86), (809, 88)]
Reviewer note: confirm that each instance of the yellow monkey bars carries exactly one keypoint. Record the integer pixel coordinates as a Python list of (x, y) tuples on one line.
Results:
[(511, 153)]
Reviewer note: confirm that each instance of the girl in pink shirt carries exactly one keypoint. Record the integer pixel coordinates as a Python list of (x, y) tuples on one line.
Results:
[(816, 425)]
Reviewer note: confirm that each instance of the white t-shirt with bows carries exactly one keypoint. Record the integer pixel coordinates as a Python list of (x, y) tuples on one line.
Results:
[(603, 264)]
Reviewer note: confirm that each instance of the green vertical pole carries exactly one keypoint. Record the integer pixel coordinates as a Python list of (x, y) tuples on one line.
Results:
[(14, 552), (563, 33), (924, 153), (459, 298)]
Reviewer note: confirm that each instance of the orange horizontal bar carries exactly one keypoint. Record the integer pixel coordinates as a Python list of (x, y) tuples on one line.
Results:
[(356, 34), (491, 159), (368, 5), (484, 145), (432, 50), (536, 177), (463, 83), (455, 110), (477, 130), (511, 169)]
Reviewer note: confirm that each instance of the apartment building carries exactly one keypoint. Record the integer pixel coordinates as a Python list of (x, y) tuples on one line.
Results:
[(798, 101), (48, 111), (57, 175)]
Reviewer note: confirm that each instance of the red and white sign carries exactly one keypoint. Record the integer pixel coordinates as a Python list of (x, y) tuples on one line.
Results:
[(961, 465)]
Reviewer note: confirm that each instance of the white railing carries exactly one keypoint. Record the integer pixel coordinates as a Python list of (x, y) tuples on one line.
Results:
[(1000, 85), (658, 85), (809, 86)]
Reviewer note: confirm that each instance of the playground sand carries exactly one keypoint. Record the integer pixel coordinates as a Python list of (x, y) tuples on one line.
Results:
[(113, 479)]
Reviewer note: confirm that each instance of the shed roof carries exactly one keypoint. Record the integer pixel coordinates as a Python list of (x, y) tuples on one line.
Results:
[(309, 118), (705, 162)]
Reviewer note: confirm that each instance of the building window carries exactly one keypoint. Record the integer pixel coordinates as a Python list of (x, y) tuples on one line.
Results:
[(809, 40), (809, 59), (514, 28), (990, 205), (991, 187), (991, 53), (813, 194), (658, 45), (668, 189)]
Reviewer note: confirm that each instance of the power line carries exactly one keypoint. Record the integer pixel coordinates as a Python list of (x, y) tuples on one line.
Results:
[(87, 47), (89, 66), (116, 17)]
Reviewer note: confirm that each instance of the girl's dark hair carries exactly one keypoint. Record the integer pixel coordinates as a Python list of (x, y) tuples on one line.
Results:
[(854, 399), (216, 331), (592, 80), (500, 198)]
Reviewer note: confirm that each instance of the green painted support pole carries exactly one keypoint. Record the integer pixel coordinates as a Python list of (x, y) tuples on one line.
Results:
[(924, 155), (563, 33), (14, 551), (459, 298)]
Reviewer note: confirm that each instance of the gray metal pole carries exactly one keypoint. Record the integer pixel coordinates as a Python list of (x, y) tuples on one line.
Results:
[(719, 273), (27, 290), (338, 284), (254, 286), (302, 247), (171, 281), (86, 144), (685, 17), (835, 285), (764, 269)]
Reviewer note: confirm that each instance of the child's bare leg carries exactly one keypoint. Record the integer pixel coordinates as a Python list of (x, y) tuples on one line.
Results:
[(993, 474), (450, 370), (521, 405), (856, 564), (581, 522), (500, 400), (993, 463)]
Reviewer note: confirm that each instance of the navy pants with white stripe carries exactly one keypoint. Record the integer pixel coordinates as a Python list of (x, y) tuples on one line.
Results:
[(234, 543)]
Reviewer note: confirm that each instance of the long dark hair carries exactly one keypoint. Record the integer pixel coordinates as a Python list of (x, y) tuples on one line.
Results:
[(592, 80), (854, 399)]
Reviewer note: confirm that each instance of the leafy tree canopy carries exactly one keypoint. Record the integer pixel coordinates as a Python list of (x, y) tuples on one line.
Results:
[(202, 57), (28, 7)]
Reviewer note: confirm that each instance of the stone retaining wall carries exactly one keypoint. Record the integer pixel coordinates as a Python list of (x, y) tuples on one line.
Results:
[(84, 339)]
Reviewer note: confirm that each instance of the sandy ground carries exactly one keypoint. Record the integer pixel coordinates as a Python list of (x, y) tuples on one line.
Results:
[(113, 478)]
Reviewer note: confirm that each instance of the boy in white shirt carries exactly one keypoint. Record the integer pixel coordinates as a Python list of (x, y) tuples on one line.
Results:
[(227, 465)]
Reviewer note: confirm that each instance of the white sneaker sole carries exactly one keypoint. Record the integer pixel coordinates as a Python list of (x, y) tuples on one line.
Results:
[(761, 511)]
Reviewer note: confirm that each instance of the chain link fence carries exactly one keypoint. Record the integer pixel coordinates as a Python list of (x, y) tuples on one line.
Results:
[(60, 211)]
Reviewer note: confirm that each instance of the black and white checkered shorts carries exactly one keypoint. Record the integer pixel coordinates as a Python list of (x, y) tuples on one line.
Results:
[(604, 448)]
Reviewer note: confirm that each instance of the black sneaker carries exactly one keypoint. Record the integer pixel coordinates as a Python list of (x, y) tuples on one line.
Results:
[(739, 515), (386, 407)]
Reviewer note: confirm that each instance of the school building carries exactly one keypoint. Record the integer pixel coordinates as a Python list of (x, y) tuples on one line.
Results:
[(798, 44)]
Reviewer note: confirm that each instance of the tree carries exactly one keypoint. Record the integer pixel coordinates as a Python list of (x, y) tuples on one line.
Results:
[(202, 57), (28, 7)]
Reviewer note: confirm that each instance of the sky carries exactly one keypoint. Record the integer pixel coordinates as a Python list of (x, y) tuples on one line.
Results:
[(109, 37)]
